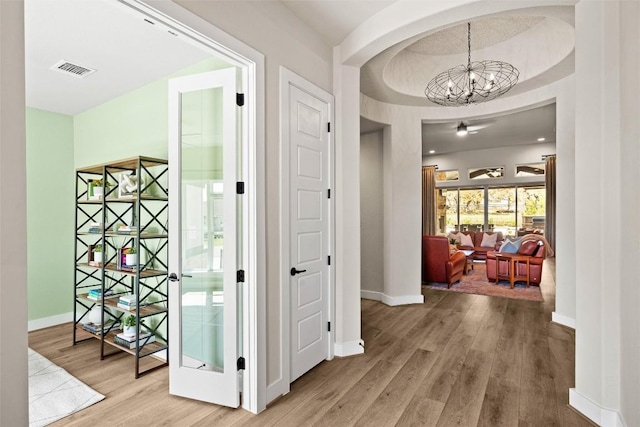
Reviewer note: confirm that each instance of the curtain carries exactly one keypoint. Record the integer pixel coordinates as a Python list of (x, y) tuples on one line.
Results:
[(550, 183), (429, 200)]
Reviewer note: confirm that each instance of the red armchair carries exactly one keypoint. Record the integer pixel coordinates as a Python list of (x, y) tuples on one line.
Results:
[(438, 263), (536, 251)]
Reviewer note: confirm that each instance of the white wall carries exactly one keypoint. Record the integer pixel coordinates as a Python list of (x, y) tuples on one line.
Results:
[(507, 157), (284, 40), (630, 215), (372, 216), (607, 205), (565, 312), (14, 409)]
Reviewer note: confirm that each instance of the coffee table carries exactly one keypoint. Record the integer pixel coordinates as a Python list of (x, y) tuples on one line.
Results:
[(469, 260), (513, 260)]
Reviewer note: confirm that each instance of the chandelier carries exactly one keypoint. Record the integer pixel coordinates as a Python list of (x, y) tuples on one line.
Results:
[(473, 83)]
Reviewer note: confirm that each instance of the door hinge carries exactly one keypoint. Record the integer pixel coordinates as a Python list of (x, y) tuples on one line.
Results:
[(329, 127), (240, 276), (328, 193), (240, 99), (240, 187), (329, 326), (240, 363), (329, 260)]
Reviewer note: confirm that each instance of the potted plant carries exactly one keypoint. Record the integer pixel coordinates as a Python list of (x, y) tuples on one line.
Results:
[(129, 325), (97, 187), (97, 253), (131, 256)]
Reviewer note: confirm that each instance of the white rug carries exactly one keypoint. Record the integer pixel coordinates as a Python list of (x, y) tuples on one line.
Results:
[(54, 393)]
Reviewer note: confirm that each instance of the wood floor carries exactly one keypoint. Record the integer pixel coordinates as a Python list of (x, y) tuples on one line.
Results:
[(457, 360)]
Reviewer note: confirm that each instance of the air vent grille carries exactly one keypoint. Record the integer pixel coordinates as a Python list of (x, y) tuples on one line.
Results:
[(71, 69)]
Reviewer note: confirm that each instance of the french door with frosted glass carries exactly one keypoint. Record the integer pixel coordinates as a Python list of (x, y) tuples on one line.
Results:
[(203, 243)]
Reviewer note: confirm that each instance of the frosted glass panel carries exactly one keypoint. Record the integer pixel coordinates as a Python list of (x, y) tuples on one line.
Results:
[(202, 231)]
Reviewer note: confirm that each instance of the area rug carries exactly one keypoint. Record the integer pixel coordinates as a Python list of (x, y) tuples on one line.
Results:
[(476, 283), (54, 393)]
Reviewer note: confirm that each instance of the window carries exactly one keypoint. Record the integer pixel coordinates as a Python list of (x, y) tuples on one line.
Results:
[(512, 210), (531, 209), (486, 173), (530, 169), (501, 207), (471, 209), (447, 210), (451, 175)]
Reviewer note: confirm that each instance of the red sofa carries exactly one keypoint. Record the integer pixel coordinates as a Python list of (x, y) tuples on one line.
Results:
[(535, 249), (438, 263), (481, 251)]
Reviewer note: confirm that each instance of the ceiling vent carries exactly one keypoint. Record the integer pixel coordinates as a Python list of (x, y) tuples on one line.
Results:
[(74, 70)]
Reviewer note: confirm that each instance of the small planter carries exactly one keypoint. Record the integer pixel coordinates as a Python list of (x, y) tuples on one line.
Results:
[(98, 192), (131, 259), (129, 331), (97, 257), (95, 315)]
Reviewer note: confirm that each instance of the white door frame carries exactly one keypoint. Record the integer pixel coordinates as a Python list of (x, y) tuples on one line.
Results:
[(195, 30), (288, 78)]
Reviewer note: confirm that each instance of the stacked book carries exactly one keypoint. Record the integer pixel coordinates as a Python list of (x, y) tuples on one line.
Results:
[(129, 341), (109, 325), (96, 294), (128, 229), (95, 227), (127, 302)]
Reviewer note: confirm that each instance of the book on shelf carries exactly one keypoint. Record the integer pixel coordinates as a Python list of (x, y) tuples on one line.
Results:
[(132, 344), (131, 268), (110, 325), (128, 307), (127, 229), (96, 294), (95, 264), (128, 299), (132, 338)]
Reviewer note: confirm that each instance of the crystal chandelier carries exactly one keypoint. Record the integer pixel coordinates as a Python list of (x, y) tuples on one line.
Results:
[(472, 83)]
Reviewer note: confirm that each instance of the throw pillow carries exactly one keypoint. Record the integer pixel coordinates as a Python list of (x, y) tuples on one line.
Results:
[(511, 245), (465, 240), (528, 248), (489, 240), (455, 236)]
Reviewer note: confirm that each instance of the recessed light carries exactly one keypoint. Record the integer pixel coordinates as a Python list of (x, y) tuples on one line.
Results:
[(541, 139), (432, 151)]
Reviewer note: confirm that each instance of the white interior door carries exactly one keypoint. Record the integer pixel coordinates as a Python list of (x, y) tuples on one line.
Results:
[(309, 230), (203, 241)]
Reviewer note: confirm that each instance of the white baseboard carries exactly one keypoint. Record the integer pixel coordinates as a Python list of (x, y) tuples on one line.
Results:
[(403, 300), (563, 320), (45, 322), (349, 348), (596, 413), (372, 295)]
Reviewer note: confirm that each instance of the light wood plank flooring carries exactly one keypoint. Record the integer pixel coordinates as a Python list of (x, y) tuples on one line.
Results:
[(457, 360)]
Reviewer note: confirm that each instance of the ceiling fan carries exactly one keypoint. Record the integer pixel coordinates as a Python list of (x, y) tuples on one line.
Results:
[(465, 127)]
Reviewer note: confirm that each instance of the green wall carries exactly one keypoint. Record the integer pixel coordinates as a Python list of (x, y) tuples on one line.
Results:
[(50, 213), (133, 124), (130, 125)]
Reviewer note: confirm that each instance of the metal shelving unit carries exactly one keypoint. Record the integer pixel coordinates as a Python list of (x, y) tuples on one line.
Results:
[(98, 221)]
